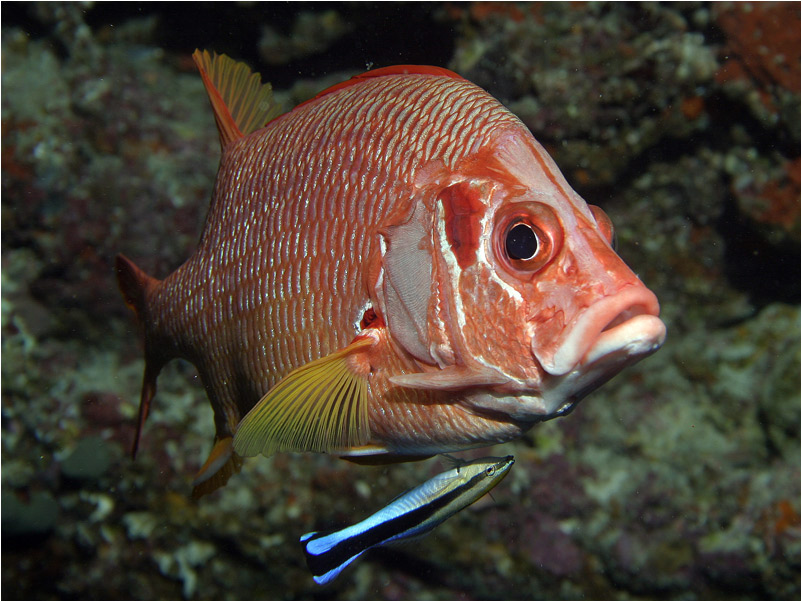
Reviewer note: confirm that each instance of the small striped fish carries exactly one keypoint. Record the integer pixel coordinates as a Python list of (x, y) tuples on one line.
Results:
[(411, 514)]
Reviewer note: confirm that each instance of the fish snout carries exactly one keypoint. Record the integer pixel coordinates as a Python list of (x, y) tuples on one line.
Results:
[(616, 331)]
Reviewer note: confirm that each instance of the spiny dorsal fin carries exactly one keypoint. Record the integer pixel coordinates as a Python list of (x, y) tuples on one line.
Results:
[(241, 103), (321, 406)]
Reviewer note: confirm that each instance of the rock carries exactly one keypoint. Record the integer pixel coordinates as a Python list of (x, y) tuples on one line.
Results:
[(88, 461), (36, 516)]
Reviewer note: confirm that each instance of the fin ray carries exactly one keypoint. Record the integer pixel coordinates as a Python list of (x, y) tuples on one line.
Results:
[(145, 399), (219, 467), (241, 103), (136, 286), (321, 407)]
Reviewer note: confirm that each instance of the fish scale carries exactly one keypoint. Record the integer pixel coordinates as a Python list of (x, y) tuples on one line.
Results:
[(318, 244), (333, 208)]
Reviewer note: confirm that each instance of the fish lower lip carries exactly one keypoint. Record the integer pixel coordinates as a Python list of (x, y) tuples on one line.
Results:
[(614, 349), (604, 326), (636, 337)]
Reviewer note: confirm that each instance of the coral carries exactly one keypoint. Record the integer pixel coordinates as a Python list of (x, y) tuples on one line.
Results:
[(761, 67), (76, 163), (573, 75), (762, 44)]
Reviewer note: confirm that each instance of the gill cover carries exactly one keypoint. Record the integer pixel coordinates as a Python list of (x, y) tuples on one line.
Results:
[(406, 284), (424, 255)]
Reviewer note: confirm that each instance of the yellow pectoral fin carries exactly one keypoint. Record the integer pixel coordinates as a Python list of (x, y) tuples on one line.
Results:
[(321, 407)]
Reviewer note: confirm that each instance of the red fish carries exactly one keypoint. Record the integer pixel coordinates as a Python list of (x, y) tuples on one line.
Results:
[(394, 268)]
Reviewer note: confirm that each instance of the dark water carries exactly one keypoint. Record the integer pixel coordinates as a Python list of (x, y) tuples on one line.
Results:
[(678, 479)]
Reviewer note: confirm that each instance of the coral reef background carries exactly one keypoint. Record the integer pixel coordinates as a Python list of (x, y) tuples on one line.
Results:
[(678, 479)]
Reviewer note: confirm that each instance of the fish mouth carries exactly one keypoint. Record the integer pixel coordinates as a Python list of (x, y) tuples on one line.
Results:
[(631, 339), (610, 335), (613, 333), (616, 331)]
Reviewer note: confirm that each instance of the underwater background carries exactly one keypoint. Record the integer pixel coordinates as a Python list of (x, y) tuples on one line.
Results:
[(679, 479)]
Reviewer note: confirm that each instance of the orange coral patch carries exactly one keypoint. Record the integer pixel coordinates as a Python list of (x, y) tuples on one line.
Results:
[(764, 38), (693, 107), (782, 198)]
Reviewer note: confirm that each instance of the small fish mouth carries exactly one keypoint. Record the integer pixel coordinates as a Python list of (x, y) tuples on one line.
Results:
[(616, 331)]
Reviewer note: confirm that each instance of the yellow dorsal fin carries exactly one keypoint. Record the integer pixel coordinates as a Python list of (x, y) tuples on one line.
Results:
[(321, 407), (241, 103)]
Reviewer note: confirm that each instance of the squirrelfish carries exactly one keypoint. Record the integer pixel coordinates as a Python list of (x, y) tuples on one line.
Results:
[(394, 268), (410, 515)]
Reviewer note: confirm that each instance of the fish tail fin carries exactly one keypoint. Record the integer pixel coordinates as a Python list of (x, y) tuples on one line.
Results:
[(221, 464), (137, 287), (241, 103), (324, 557)]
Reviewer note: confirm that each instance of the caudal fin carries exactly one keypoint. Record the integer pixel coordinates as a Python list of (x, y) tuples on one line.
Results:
[(327, 554), (136, 287)]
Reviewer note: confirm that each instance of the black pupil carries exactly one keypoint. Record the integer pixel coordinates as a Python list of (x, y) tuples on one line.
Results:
[(521, 242)]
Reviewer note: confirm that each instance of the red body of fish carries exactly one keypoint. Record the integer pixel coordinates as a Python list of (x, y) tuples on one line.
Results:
[(395, 267)]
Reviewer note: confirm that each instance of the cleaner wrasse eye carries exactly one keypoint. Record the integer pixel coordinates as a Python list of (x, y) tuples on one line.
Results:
[(393, 269)]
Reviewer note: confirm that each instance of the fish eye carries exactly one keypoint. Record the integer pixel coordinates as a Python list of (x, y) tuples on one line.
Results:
[(522, 242), (527, 237), (490, 471)]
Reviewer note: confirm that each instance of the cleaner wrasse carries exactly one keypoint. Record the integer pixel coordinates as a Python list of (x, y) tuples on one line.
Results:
[(410, 515)]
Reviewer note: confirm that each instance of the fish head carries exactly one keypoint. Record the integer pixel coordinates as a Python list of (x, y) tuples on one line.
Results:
[(527, 307)]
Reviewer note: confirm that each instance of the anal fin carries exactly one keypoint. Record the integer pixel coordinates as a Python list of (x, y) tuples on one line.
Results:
[(221, 464), (321, 406)]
